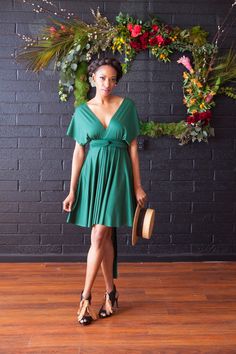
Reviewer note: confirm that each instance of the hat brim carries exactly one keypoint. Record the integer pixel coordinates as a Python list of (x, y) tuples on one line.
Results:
[(135, 224)]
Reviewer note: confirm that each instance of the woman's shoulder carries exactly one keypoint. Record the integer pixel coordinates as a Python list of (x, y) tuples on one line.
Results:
[(129, 101), (80, 106)]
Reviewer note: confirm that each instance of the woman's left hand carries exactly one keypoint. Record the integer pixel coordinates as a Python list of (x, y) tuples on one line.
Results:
[(141, 196)]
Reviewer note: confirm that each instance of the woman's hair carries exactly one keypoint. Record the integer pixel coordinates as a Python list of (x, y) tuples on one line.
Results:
[(95, 64)]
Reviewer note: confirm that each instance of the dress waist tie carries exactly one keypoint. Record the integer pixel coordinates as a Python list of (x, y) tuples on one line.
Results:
[(112, 143)]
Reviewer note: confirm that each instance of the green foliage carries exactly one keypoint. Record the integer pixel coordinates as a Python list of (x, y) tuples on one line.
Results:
[(228, 91), (197, 36), (155, 129), (182, 131), (81, 84)]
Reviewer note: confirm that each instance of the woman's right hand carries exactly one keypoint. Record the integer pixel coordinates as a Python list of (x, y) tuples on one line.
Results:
[(68, 202)]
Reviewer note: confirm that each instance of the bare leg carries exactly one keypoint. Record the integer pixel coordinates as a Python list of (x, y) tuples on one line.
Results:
[(95, 255), (107, 263)]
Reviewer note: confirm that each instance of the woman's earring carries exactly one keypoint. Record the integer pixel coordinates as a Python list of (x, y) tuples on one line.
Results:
[(92, 82)]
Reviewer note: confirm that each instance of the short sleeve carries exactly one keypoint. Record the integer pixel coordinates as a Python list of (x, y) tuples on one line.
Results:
[(132, 123), (76, 128)]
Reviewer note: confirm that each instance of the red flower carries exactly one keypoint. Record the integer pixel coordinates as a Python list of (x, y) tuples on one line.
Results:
[(136, 30), (155, 28), (160, 40), (190, 119), (152, 41), (167, 41), (136, 45), (144, 39), (205, 115), (200, 116), (168, 29), (130, 26)]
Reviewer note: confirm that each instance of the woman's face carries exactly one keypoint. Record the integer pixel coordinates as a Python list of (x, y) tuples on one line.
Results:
[(105, 79)]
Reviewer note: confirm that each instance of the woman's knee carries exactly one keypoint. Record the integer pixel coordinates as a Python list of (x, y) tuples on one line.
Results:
[(99, 235)]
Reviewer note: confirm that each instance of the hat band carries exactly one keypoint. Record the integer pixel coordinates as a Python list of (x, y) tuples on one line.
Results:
[(112, 143)]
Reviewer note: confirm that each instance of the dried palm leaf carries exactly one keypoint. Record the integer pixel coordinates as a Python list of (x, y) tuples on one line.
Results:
[(225, 68), (52, 46)]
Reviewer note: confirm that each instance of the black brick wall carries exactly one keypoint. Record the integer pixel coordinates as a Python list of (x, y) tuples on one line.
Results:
[(191, 187)]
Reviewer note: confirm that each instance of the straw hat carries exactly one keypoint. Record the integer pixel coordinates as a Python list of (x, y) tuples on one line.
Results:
[(143, 223)]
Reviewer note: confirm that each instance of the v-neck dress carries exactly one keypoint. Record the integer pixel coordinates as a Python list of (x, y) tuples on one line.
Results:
[(105, 190)]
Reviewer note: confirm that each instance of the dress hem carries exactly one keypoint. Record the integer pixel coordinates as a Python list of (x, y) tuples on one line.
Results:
[(70, 222)]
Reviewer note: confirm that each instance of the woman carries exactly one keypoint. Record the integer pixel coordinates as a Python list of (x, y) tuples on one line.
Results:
[(105, 186)]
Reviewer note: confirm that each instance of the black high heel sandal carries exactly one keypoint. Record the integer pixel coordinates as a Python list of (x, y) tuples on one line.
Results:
[(110, 299), (85, 312)]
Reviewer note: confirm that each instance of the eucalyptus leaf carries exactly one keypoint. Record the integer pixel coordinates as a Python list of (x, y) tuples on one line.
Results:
[(198, 129), (74, 66), (69, 57), (71, 88), (193, 133)]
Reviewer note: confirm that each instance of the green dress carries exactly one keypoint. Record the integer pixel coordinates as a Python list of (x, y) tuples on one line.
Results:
[(105, 190)]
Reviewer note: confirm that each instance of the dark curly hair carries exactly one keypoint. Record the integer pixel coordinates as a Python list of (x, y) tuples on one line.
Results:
[(95, 64)]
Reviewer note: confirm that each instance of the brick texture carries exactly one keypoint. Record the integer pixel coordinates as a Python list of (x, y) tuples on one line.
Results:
[(192, 188)]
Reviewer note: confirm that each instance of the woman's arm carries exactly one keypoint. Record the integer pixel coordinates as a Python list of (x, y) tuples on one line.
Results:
[(77, 162), (133, 151), (139, 192)]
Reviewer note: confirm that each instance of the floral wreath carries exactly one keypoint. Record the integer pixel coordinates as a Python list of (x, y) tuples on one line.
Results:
[(72, 43)]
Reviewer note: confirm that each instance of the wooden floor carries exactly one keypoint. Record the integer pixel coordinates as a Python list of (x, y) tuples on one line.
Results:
[(165, 308)]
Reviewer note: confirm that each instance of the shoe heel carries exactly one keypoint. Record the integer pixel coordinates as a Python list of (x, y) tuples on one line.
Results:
[(110, 300)]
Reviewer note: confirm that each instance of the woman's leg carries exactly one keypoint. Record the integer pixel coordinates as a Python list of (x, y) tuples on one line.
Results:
[(99, 235), (107, 262)]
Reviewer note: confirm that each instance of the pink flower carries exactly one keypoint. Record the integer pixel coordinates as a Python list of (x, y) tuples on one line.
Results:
[(208, 98), (52, 30), (186, 62), (63, 28)]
